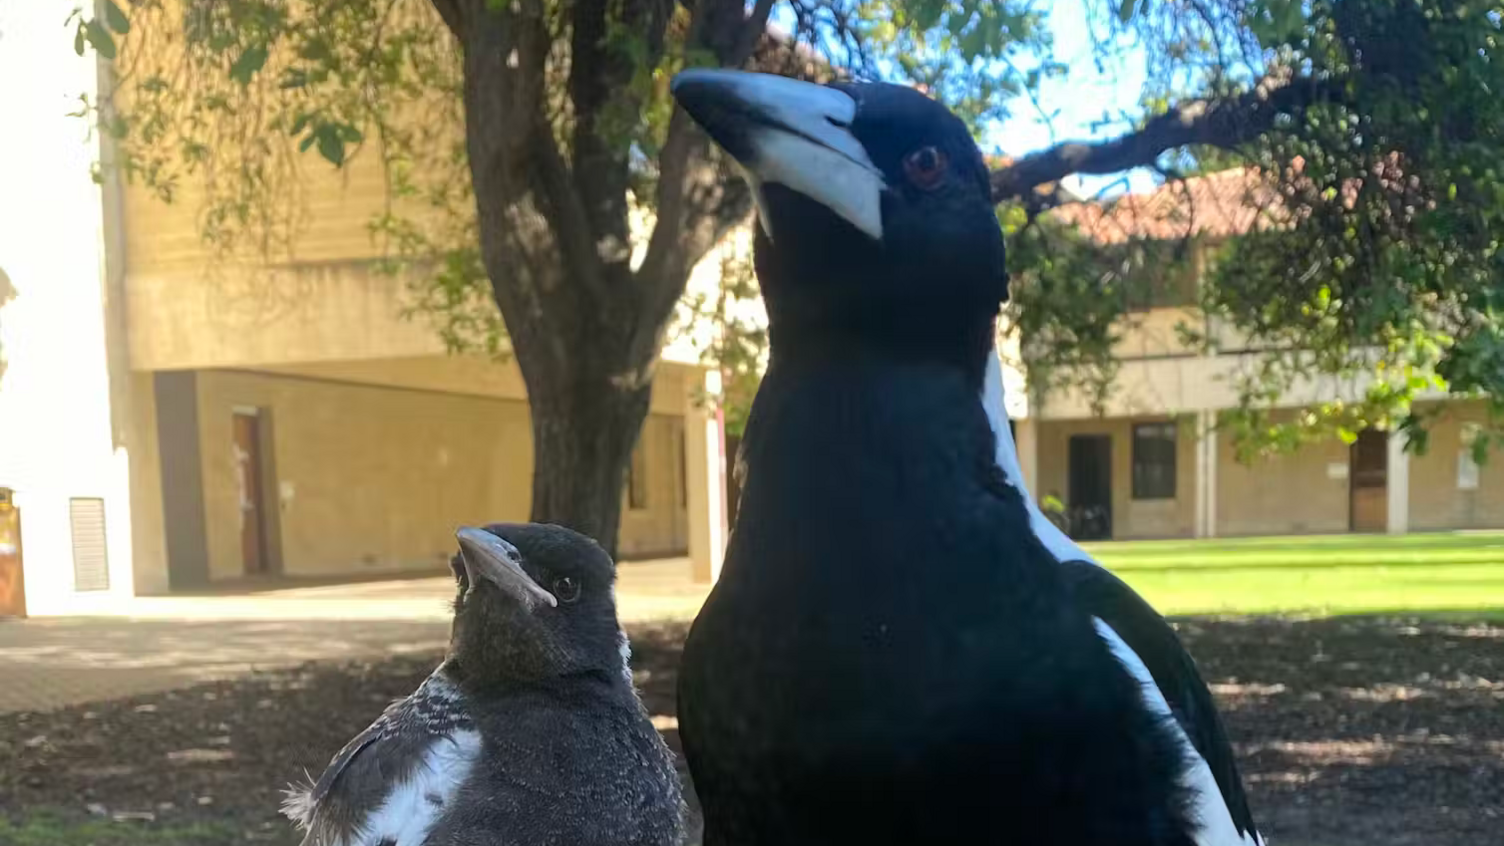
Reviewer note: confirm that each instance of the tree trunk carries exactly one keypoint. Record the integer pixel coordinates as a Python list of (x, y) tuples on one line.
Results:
[(584, 428)]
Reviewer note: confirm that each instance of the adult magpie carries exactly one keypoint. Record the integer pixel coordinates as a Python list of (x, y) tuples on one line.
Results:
[(901, 648), (528, 733)]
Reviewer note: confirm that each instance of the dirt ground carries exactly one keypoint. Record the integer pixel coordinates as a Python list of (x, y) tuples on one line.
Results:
[(1380, 732)]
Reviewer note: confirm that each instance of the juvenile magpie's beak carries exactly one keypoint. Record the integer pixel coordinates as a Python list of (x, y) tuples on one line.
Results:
[(796, 134), (488, 557)]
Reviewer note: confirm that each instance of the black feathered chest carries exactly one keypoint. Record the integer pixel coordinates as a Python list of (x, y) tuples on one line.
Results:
[(871, 510), (890, 651)]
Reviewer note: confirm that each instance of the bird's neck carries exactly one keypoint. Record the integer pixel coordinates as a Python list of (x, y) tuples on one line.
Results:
[(922, 333)]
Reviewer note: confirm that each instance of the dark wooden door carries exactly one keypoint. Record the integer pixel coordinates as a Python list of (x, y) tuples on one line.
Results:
[(1368, 482), (12, 578), (247, 447), (1090, 487)]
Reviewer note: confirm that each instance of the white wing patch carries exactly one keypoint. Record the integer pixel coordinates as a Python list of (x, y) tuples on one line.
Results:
[(413, 806), (1210, 811), (1056, 541)]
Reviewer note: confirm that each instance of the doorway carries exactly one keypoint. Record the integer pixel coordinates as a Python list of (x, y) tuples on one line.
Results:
[(1368, 482), (1090, 487), (249, 482)]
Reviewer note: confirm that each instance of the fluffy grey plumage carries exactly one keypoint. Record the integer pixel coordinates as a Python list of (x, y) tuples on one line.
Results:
[(528, 733)]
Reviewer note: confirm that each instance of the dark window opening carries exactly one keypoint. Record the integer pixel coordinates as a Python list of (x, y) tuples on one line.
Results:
[(1154, 461)]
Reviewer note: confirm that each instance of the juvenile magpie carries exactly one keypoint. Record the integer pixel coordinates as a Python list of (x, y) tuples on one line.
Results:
[(529, 732), (901, 648)]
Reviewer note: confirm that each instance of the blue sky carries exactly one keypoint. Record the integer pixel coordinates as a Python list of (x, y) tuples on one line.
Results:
[(1078, 100)]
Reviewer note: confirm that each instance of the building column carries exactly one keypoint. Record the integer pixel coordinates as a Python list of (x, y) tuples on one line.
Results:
[(1026, 443), (1206, 474), (705, 466), (1397, 484)]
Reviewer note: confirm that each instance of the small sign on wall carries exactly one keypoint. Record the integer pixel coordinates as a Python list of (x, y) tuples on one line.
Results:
[(1336, 470)]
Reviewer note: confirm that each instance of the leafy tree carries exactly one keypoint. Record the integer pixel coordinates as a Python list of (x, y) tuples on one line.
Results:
[(1373, 133), (522, 138)]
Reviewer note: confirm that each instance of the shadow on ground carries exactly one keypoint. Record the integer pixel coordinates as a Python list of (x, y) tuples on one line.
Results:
[(1378, 731)]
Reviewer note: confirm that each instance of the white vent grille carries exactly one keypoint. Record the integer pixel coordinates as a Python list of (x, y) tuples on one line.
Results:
[(91, 566)]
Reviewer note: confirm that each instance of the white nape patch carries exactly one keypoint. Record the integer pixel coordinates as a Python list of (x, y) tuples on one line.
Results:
[(1208, 807), (407, 814), (1057, 542)]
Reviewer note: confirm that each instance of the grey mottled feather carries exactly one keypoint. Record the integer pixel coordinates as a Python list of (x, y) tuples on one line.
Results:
[(359, 778)]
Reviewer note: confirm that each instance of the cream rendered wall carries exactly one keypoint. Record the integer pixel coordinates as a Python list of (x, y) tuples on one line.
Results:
[(1436, 502), (659, 528), (368, 479), (64, 429), (1282, 495), (374, 478)]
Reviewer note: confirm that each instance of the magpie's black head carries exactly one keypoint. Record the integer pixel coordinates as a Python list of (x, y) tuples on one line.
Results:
[(875, 207), (536, 602)]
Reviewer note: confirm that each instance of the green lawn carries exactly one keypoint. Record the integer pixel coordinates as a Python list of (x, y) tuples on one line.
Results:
[(1338, 574)]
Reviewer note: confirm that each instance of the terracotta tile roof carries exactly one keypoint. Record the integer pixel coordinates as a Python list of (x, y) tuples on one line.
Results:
[(1230, 202)]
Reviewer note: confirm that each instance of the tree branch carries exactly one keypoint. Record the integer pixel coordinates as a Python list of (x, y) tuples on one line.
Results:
[(693, 194), (1224, 123), (601, 89), (752, 32)]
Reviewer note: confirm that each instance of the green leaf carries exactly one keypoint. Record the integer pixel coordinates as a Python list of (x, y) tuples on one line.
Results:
[(99, 38), (298, 124), (116, 18), (1126, 10), (78, 40), (248, 64), (331, 146), (307, 142)]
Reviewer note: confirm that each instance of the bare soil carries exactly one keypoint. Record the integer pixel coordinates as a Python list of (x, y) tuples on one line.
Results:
[(1371, 731)]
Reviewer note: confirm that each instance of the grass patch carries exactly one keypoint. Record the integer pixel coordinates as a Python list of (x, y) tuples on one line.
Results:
[(52, 828), (1453, 574)]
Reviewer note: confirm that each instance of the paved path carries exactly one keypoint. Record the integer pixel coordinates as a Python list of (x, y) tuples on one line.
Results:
[(159, 643)]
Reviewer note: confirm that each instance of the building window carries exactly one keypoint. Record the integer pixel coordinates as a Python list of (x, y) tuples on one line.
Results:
[(637, 475), (1154, 461)]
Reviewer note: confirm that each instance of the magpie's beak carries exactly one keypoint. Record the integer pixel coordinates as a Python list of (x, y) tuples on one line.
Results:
[(488, 557), (796, 134)]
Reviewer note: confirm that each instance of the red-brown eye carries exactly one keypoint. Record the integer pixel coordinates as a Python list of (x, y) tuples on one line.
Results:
[(925, 167)]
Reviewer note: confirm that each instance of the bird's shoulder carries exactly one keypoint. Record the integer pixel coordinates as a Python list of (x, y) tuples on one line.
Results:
[(424, 745), (1154, 643)]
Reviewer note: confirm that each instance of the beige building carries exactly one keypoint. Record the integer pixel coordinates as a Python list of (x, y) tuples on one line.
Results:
[(170, 421), (1155, 466)]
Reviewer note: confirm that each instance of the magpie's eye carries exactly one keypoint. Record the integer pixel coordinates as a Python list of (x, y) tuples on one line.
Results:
[(567, 588), (925, 167)]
